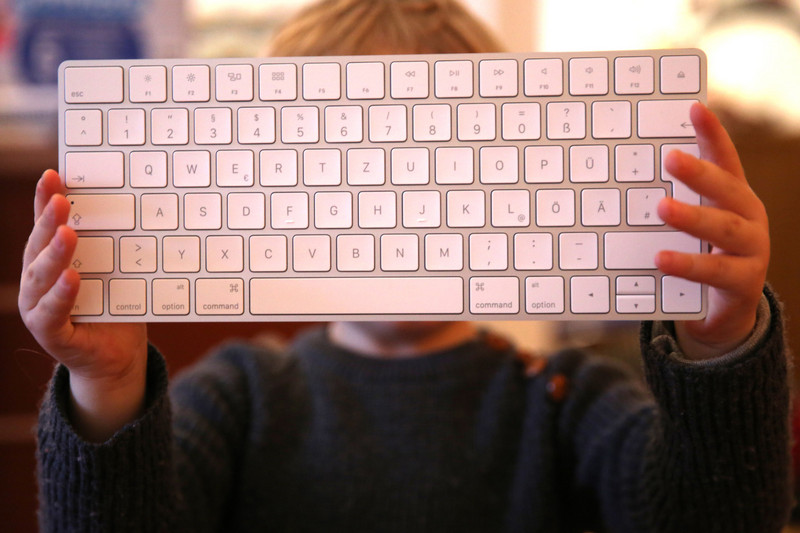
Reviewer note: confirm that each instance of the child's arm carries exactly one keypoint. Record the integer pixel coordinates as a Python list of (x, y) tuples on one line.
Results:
[(734, 221), (106, 362)]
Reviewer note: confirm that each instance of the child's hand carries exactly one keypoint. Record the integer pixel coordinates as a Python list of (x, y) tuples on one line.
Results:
[(734, 221), (105, 361)]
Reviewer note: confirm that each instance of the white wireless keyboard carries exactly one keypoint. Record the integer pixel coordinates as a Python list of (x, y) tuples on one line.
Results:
[(503, 186)]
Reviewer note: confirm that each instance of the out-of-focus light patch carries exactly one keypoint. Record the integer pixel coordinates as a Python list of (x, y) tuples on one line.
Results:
[(755, 66), (205, 9), (575, 25)]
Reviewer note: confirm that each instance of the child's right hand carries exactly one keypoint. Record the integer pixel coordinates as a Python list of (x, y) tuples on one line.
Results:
[(107, 361)]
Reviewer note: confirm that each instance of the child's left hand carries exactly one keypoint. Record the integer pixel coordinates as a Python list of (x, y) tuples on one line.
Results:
[(733, 220)]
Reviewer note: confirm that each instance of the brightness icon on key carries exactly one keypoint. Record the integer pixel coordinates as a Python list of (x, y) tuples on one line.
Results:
[(191, 77)]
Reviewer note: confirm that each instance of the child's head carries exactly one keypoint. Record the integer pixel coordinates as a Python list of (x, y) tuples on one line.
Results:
[(363, 27)]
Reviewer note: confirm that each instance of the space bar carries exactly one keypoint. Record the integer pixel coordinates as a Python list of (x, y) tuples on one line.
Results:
[(356, 296)]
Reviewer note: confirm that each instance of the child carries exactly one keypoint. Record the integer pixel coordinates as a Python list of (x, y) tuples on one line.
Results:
[(425, 426)]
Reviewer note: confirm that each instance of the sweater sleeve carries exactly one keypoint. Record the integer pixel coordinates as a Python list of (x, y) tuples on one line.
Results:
[(170, 470), (712, 454), (123, 484)]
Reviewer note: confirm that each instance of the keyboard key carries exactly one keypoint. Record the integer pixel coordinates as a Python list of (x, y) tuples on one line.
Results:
[(634, 162), (321, 81), (234, 83), (630, 250), (268, 253), (611, 120), (633, 75), (566, 120), (277, 82), (365, 81), (191, 168), (191, 83), (256, 125), (588, 164), (589, 294), (300, 124), (665, 118), (636, 303), (488, 251), (337, 296), (159, 211), (521, 122), (137, 254), (387, 123), (533, 251), (98, 170), (343, 124), (543, 77), (202, 211), (680, 74), (170, 296), (89, 85), (83, 127), (235, 168), (600, 207), (355, 253), (453, 79), (432, 122), (444, 252), (680, 296), (101, 212), (588, 76), (181, 254), (213, 126), (544, 294), (93, 255), (399, 252), (498, 77), (494, 295), (148, 169), (89, 301), (148, 83), (219, 296), (224, 253), (544, 164), (169, 126), (127, 297), (476, 122), (577, 251), (555, 207), (409, 79)]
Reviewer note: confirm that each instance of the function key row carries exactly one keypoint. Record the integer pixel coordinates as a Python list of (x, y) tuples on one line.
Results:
[(365, 80)]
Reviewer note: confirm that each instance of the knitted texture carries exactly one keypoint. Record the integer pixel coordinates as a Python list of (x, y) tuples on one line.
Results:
[(318, 438)]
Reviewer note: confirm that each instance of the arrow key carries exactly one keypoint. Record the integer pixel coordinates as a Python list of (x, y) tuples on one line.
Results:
[(137, 254), (636, 303), (681, 296), (589, 294)]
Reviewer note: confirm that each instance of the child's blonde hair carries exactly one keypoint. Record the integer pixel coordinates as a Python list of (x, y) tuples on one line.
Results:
[(360, 27)]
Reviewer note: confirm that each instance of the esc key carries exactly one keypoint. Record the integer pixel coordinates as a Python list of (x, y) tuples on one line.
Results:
[(93, 85)]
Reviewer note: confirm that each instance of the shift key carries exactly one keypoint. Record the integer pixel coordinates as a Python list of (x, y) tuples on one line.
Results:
[(101, 212)]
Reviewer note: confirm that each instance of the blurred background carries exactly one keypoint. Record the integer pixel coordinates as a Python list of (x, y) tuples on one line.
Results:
[(753, 50)]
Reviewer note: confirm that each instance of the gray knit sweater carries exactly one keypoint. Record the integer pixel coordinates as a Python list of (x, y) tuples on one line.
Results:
[(470, 439)]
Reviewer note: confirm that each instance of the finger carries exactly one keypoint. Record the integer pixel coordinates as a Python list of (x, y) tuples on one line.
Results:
[(715, 143), (48, 185), (51, 316), (43, 271), (714, 184), (722, 271), (54, 215), (725, 230)]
